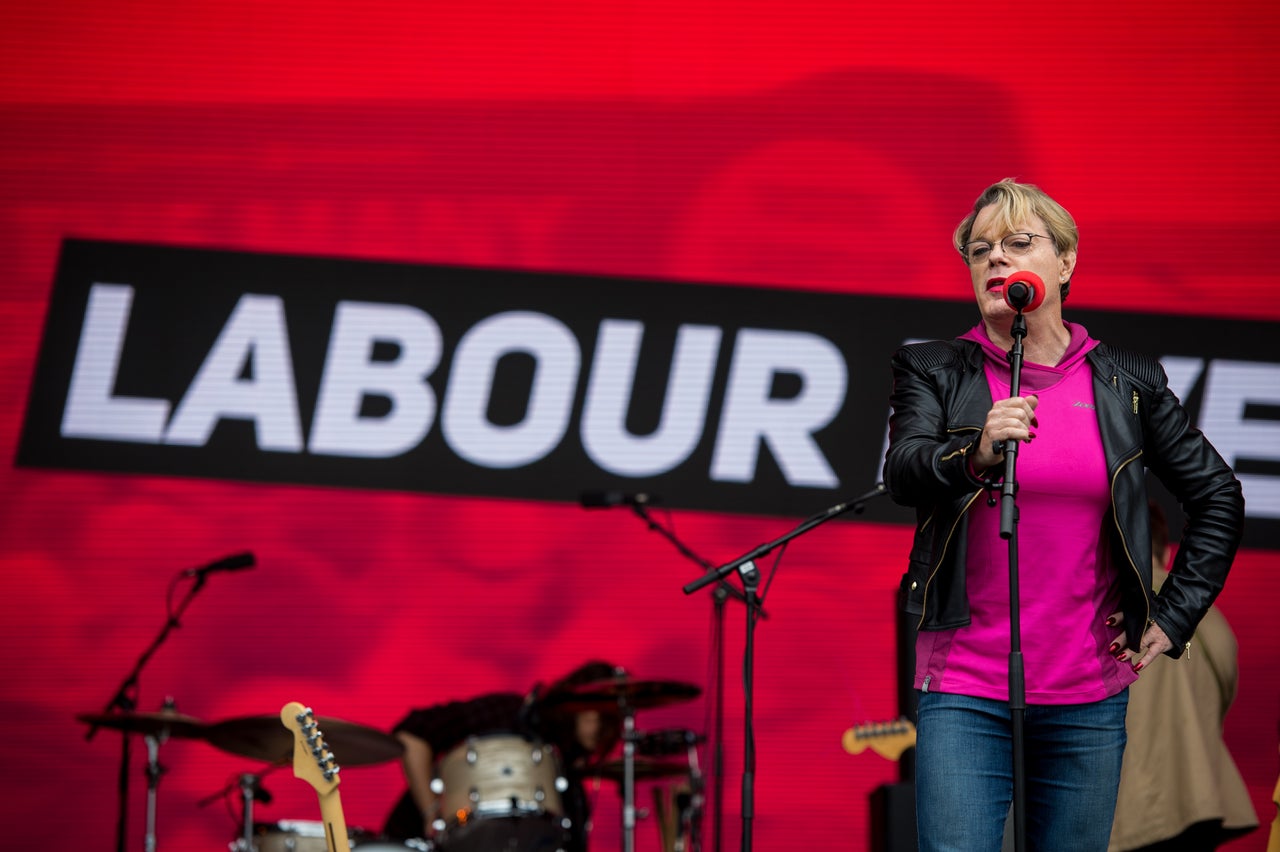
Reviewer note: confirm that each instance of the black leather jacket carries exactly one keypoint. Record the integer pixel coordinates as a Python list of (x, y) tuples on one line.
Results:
[(940, 403)]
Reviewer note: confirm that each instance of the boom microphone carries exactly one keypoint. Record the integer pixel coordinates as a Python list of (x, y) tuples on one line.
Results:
[(610, 499), (1024, 291), (236, 562)]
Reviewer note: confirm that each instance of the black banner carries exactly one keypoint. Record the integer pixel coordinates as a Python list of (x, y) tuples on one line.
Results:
[(346, 373)]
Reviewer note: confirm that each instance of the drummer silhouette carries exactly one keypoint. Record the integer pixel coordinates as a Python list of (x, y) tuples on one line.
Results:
[(504, 769)]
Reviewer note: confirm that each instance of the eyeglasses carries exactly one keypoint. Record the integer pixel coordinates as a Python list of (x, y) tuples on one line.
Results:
[(1014, 245)]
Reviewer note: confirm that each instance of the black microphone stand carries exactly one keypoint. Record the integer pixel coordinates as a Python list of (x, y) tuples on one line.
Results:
[(125, 700), (745, 566), (723, 592), (1009, 531)]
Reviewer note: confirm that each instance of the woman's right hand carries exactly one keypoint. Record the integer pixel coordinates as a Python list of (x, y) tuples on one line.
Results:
[(1010, 419)]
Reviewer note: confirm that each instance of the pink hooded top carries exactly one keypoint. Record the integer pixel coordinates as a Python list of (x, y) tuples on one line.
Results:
[(1067, 582)]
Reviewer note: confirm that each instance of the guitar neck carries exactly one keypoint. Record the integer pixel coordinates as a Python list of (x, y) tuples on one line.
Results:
[(335, 824)]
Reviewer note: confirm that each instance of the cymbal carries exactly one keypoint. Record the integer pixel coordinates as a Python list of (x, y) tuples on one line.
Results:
[(168, 723), (264, 738), (645, 769), (630, 694)]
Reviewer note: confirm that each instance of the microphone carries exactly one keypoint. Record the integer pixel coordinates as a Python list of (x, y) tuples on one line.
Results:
[(1024, 291), (610, 499), (236, 562)]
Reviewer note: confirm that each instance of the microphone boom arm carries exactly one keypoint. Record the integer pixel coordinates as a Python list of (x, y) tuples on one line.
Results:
[(855, 505)]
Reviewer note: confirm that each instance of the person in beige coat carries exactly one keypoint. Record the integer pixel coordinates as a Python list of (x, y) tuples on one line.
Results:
[(1273, 845), (1179, 787)]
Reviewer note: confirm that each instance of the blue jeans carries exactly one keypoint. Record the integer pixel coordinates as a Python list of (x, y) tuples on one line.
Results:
[(964, 773)]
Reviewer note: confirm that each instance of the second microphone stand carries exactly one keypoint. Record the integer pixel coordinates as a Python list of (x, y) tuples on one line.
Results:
[(745, 566), (722, 593)]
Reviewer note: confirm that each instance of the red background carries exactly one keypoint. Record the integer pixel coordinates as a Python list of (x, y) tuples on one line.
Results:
[(815, 145)]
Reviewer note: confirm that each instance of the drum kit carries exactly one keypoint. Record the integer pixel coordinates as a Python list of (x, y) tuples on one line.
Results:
[(499, 791)]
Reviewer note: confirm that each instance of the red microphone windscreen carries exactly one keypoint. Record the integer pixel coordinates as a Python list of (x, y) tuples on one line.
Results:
[(1026, 297)]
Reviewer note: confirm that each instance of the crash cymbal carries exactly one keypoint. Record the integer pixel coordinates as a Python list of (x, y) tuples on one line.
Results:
[(622, 692), (645, 769), (264, 738), (166, 723)]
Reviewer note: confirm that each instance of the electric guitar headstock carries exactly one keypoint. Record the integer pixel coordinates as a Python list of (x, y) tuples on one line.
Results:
[(887, 739), (314, 763)]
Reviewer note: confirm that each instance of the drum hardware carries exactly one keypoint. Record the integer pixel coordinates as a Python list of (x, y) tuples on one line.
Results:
[(690, 802), (678, 811), (251, 790), (248, 787), (671, 808), (154, 771), (627, 696), (156, 729), (679, 815)]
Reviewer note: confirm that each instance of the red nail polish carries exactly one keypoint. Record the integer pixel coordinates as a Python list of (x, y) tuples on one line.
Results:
[(1111, 621), (1115, 646), (1138, 667)]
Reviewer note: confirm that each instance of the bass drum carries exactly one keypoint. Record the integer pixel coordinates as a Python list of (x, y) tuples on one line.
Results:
[(501, 793)]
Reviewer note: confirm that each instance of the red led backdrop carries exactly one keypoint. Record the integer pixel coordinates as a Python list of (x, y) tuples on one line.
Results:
[(805, 147)]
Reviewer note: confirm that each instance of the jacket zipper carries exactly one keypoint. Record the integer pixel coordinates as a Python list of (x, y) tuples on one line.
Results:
[(1124, 543), (1147, 620), (933, 572), (963, 451)]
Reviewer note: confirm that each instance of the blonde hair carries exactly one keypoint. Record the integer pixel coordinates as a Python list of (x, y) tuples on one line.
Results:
[(1015, 204)]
